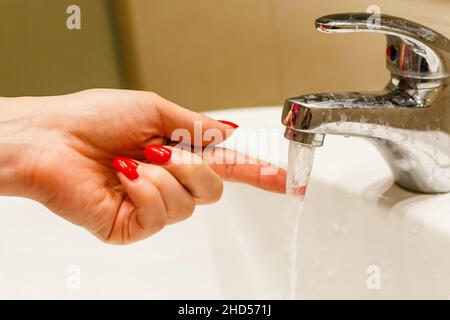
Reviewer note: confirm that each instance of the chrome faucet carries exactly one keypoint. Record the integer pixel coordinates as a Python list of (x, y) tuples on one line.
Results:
[(409, 121)]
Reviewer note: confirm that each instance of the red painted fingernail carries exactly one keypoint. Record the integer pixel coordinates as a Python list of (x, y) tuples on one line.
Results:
[(157, 154), (229, 123), (126, 166)]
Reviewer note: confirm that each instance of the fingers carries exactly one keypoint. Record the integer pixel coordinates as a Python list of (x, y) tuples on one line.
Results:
[(167, 190), (145, 213), (235, 166), (196, 173), (198, 178), (145, 184), (174, 120), (178, 202)]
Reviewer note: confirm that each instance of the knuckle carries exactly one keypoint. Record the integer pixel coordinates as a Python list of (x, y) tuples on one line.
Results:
[(108, 239), (158, 224), (215, 191), (184, 211), (188, 208), (193, 171), (157, 174)]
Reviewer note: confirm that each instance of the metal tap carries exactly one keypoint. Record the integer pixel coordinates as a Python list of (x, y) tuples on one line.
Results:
[(409, 121)]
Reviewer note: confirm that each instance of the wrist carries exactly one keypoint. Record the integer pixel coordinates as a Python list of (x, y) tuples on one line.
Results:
[(12, 145)]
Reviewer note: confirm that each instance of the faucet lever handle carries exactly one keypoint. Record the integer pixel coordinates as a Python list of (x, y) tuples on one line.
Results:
[(413, 50)]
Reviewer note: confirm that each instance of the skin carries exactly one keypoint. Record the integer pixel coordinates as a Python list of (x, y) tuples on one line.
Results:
[(58, 151)]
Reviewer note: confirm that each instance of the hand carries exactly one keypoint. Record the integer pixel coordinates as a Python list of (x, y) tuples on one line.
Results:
[(60, 150)]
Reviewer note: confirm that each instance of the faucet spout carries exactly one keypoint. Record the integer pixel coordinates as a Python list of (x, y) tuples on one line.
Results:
[(412, 130), (357, 114)]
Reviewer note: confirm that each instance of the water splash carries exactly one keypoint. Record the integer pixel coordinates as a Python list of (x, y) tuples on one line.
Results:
[(300, 163)]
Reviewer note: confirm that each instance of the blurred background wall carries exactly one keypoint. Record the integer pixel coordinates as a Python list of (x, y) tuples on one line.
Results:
[(203, 54), (40, 56)]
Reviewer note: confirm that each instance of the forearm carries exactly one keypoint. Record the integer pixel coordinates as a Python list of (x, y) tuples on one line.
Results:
[(26, 124)]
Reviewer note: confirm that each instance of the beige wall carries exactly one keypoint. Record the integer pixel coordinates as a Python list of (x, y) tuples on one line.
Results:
[(209, 54), (204, 54), (39, 56)]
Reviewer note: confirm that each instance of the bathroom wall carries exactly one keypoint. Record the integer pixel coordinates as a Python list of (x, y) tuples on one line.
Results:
[(40, 56), (209, 54), (204, 54)]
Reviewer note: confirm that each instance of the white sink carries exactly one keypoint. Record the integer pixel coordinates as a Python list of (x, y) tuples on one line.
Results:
[(354, 222)]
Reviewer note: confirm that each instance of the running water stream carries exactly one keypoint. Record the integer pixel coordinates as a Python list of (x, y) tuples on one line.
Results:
[(300, 163)]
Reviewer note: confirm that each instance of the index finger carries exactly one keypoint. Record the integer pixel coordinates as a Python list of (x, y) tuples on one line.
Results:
[(234, 166)]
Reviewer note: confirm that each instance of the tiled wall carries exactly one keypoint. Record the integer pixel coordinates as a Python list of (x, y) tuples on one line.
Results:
[(209, 54)]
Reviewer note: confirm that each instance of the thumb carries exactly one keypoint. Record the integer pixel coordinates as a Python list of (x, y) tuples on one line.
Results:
[(202, 130)]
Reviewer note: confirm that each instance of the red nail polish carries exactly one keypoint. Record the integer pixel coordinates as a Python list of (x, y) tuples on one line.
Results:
[(126, 166), (157, 154), (229, 123)]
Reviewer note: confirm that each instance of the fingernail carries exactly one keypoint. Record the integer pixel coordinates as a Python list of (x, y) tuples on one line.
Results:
[(126, 166), (157, 154), (229, 123)]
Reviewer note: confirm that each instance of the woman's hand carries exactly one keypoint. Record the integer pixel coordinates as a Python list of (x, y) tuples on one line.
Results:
[(96, 159)]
